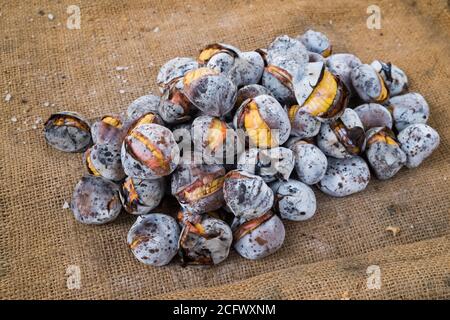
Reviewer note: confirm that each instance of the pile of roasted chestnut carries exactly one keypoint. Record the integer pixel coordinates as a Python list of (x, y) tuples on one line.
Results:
[(236, 140)]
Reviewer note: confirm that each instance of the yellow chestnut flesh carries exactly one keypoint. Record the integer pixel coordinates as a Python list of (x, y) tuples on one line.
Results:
[(323, 95), (257, 129)]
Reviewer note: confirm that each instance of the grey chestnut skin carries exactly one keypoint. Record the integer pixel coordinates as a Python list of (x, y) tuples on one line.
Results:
[(269, 164), (410, 108), (345, 177), (418, 141), (143, 105), (247, 195), (343, 138), (68, 132), (205, 243), (149, 151), (140, 196), (95, 200), (260, 237), (153, 239), (310, 162), (210, 91), (303, 124), (294, 200), (394, 77), (174, 70), (104, 160), (316, 42), (374, 115), (384, 153), (369, 85), (341, 65)]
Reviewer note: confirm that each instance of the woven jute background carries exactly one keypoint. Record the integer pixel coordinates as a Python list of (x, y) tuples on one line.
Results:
[(46, 67)]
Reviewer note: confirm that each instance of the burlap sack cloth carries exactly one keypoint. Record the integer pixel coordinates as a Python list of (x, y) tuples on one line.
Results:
[(47, 67)]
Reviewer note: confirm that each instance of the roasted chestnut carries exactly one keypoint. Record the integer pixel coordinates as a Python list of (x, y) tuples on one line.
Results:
[(140, 196), (108, 130), (320, 93), (341, 65), (310, 162), (153, 239), (206, 242), (316, 42), (260, 237), (393, 76), (174, 70), (264, 121), (374, 115), (369, 84), (410, 108), (95, 200), (104, 160), (67, 131), (149, 152)]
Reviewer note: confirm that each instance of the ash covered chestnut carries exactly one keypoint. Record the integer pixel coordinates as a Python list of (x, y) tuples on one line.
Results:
[(393, 76), (67, 131), (265, 122), (210, 91), (95, 200), (108, 130), (149, 152), (153, 239), (174, 70), (243, 68), (294, 200), (343, 138), (316, 42), (410, 108), (260, 237), (213, 138), (206, 242), (104, 160), (270, 164), (341, 65), (374, 115), (303, 124), (369, 85), (345, 177), (175, 107), (198, 187), (418, 141), (286, 60), (383, 153), (140, 196), (143, 105), (247, 195), (310, 162), (320, 93)]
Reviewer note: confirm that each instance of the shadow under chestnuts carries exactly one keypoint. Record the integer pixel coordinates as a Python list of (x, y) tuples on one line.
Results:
[(237, 143)]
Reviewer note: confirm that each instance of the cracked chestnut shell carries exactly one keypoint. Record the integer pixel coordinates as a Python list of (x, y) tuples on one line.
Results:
[(270, 164), (260, 237), (294, 200), (264, 121), (67, 131), (140, 196), (247, 195), (213, 138), (285, 61), (206, 242), (345, 177), (149, 152), (341, 65), (210, 91), (198, 187), (418, 141), (104, 160), (95, 200), (153, 239), (320, 93), (310, 162), (394, 77), (384, 153), (175, 107), (344, 137), (174, 70), (369, 85), (110, 129)]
